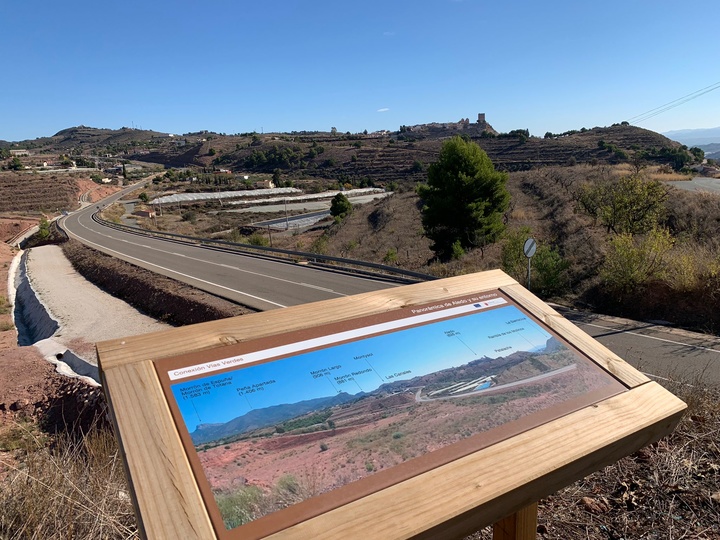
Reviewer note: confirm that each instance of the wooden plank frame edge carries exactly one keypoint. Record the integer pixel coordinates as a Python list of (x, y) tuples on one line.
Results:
[(162, 483)]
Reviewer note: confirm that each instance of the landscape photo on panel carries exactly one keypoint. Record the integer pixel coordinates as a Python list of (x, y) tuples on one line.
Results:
[(340, 408)]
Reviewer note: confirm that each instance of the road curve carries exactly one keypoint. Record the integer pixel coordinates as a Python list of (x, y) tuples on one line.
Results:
[(653, 348), (259, 283)]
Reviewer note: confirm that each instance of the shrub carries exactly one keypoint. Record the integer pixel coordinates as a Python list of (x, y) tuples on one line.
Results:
[(319, 245), (239, 507), (550, 271), (512, 258), (391, 256), (457, 251), (628, 205), (44, 229), (5, 306), (258, 239), (632, 261)]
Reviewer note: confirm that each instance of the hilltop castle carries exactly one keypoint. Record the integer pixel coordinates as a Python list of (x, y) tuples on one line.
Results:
[(447, 128)]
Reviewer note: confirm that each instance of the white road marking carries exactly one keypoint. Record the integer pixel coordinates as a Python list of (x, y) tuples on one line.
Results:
[(122, 255), (213, 263), (666, 379), (319, 288), (651, 337)]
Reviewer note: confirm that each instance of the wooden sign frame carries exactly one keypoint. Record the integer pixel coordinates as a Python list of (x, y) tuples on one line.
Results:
[(451, 498)]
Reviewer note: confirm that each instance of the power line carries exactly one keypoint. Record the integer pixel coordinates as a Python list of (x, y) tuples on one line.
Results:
[(672, 104)]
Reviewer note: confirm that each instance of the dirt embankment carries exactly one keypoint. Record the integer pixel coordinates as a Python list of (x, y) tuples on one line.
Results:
[(158, 296), (29, 385)]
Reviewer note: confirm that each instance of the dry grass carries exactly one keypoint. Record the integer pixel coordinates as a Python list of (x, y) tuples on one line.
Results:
[(651, 172), (63, 486), (113, 212), (5, 306)]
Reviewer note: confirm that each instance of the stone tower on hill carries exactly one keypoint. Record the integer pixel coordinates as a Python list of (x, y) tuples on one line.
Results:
[(446, 129)]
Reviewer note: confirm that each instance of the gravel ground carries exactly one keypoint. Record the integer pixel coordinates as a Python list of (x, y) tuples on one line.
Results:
[(86, 314)]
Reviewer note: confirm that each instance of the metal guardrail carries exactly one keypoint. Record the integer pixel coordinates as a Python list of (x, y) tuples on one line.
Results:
[(15, 239), (326, 262)]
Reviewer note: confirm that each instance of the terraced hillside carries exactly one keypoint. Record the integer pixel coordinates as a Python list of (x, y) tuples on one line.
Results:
[(360, 158), (26, 192), (403, 157), (89, 140)]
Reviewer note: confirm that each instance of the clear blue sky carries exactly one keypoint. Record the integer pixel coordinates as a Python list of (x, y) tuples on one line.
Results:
[(421, 350), (283, 65)]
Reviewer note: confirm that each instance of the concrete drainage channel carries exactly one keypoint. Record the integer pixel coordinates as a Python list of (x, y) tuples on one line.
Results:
[(35, 326)]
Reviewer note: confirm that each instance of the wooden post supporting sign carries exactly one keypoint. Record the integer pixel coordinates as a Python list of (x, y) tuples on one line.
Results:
[(521, 525)]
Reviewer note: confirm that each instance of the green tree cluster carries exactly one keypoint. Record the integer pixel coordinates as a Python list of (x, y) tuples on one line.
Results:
[(340, 206), (521, 134), (464, 199), (15, 164), (275, 158), (551, 135), (677, 158), (619, 153)]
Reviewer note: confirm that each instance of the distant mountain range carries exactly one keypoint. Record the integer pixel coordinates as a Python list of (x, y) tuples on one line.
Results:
[(276, 414), (695, 137), (259, 418)]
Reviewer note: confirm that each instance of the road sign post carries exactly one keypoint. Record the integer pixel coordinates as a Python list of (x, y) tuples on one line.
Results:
[(529, 249)]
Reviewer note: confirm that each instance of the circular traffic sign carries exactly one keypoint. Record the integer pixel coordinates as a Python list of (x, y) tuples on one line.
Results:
[(530, 247)]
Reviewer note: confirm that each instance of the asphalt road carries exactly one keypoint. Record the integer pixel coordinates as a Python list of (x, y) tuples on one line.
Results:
[(252, 281), (655, 349), (294, 222), (699, 183)]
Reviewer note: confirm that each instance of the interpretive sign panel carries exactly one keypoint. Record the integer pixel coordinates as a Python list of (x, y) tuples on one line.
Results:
[(424, 411), (330, 415)]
